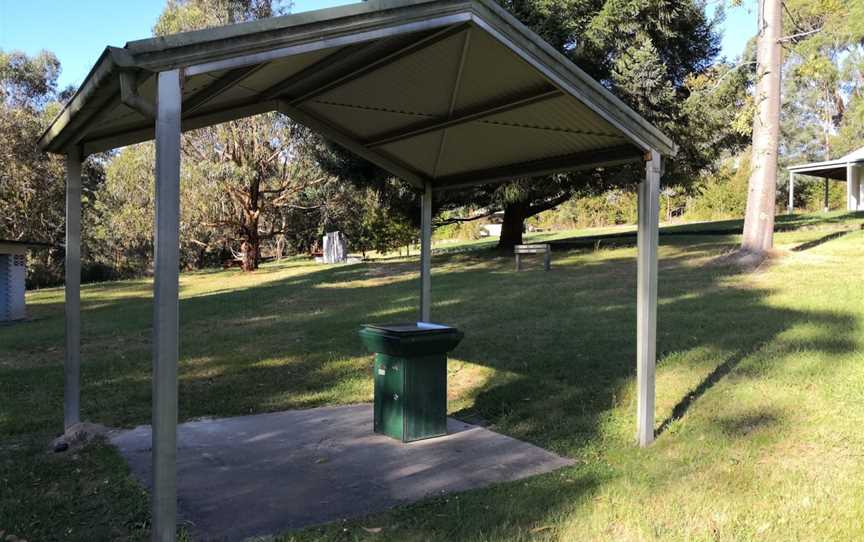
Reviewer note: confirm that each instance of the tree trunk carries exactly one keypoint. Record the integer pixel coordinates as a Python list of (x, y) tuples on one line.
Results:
[(759, 218), (513, 225), (250, 248), (280, 244)]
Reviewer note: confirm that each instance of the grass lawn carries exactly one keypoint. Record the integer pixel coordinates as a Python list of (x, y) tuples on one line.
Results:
[(759, 379), (625, 234)]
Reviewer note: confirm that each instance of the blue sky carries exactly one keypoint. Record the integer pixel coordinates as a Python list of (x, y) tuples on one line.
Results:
[(78, 30)]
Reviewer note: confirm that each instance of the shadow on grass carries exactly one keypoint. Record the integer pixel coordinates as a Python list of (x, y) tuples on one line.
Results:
[(784, 223), (822, 240), (719, 372), (562, 344)]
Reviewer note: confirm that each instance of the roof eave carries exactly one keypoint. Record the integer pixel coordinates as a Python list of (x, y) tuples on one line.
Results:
[(829, 164), (103, 72)]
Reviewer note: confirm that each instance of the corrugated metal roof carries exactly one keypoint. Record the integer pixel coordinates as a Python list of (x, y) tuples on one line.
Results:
[(419, 83), (560, 114), (855, 156), (279, 70), (506, 144), (493, 72), (390, 80), (361, 121), (419, 152)]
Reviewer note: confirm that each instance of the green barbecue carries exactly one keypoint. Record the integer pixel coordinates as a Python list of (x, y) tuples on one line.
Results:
[(410, 377)]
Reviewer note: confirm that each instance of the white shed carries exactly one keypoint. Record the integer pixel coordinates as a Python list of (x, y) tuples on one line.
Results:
[(13, 272)]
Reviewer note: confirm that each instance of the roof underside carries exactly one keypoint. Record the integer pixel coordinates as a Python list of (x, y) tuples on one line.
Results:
[(827, 171), (831, 169), (452, 92)]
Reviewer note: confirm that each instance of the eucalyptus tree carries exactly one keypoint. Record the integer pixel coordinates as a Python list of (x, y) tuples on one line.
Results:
[(817, 35), (32, 182), (652, 55), (655, 55), (761, 195), (28, 178), (251, 168)]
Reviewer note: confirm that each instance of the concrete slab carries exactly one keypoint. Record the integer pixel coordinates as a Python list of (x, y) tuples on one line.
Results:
[(269, 473)]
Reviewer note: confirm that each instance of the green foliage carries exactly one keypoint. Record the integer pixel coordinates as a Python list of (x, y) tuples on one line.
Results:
[(611, 208), (380, 230), (453, 229), (123, 217), (640, 74), (810, 194), (32, 183), (28, 82), (186, 15), (722, 194), (823, 83)]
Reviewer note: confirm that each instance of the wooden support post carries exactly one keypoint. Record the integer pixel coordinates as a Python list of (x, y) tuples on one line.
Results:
[(791, 192), (547, 259), (426, 253), (646, 302), (72, 358), (518, 262), (165, 307)]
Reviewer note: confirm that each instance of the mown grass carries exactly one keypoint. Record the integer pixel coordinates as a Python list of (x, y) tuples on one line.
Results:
[(758, 388), (624, 234)]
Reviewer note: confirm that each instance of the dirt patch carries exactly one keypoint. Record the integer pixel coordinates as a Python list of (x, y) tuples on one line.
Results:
[(747, 261), (77, 436)]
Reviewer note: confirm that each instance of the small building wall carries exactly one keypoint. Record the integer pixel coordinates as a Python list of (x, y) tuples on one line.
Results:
[(860, 185), (491, 230), (13, 273), (854, 190)]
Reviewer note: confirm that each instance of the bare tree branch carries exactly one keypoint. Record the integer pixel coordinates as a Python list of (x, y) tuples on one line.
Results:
[(457, 220), (793, 37)]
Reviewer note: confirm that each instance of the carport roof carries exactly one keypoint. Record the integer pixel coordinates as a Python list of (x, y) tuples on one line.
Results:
[(830, 169), (455, 92)]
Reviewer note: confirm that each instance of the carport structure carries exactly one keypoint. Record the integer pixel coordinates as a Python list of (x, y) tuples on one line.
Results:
[(846, 168), (443, 94)]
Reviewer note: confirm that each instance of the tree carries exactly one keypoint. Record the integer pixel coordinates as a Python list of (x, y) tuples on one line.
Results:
[(255, 167), (32, 183), (125, 208), (646, 53), (822, 79), (251, 161), (819, 35), (761, 196), (395, 206)]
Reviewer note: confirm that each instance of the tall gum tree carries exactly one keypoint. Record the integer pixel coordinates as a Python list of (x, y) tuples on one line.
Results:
[(644, 52), (761, 195), (648, 53), (252, 160), (819, 36)]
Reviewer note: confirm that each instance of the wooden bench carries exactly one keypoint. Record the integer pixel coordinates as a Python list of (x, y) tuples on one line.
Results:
[(545, 250)]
